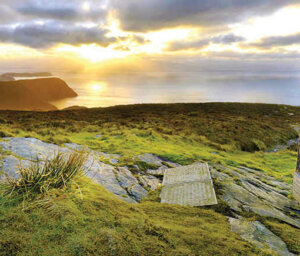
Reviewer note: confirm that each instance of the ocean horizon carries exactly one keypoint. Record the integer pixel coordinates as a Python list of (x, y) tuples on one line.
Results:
[(182, 87)]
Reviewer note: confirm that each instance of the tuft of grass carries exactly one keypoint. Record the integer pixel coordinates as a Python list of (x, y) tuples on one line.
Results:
[(41, 177)]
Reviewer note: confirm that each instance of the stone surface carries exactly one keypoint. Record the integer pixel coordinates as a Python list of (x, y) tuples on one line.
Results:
[(150, 181), (257, 234), (152, 159), (296, 186), (130, 183), (247, 190), (189, 185), (16, 151)]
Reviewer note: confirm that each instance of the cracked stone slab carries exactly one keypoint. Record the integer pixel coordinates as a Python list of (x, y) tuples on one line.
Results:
[(189, 185)]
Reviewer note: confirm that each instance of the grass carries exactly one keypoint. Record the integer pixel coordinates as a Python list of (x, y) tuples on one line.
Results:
[(227, 133), (41, 177), (85, 219), (92, 221)]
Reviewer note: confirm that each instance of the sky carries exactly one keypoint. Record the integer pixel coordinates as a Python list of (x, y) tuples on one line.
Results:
[(149, 35)]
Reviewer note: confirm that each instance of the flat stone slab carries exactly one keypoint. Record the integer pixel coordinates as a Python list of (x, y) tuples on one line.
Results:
[(188, 185), (296, 186)]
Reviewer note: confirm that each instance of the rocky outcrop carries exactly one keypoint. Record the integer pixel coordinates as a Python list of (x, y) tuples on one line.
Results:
[(245, 192), (249, 191), (120, 181), (35, 94), (296, 183), (257, 234)]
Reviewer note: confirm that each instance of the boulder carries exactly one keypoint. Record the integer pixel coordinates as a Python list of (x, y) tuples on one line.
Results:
[(257, 234)]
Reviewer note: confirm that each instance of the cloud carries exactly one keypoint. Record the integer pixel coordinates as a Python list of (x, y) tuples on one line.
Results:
[(39, 35), (63, 10), (137, 15), (269, 42), (221, 39)]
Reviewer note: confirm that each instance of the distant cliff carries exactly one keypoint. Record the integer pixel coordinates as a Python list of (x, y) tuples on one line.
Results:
[(28, 74), (13, 76), (33, 94)]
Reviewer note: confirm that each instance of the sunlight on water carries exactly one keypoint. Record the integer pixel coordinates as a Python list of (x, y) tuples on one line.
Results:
[(171, 87)]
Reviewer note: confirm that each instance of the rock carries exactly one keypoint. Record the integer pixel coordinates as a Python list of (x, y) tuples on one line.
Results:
[(257, 234), (114, 161), (282, 147), (130, 183), (150, 181), (158, 172), (247, 190), (149, 159), (31, 149), (11, 165)]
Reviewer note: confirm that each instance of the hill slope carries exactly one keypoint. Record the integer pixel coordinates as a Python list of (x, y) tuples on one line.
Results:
[(33, 94)]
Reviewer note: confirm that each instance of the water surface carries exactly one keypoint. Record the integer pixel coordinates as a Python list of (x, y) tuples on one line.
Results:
[(176, 87)]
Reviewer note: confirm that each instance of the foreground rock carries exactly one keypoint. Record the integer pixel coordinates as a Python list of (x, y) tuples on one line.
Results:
[(120, 181), (257, 234), (245, 191), (249, 191)]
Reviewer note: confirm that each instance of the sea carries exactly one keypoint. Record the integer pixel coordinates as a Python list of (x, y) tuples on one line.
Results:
[(182, 87)]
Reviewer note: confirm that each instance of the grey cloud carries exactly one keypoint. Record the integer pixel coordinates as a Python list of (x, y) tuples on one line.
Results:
[(6, 13), (221, 39), (64, 10), (137, 15), (42, 35), (274, 41)]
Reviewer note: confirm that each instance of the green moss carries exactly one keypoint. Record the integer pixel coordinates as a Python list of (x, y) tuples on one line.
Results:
[(95, 222)]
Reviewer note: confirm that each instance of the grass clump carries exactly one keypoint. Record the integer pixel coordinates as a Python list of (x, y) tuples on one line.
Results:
[(42, 176)]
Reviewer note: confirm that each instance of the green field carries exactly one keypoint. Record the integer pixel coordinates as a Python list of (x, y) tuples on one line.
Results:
[(230, 134), (85, 219)]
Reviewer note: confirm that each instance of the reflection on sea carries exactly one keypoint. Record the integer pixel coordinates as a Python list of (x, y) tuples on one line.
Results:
[(168, 87)]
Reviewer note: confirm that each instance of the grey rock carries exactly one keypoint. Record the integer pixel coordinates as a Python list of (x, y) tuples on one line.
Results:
[(155, 160), (10, 165), (257, 234), (149, 159), (160, 171), (130, 183), (150, 181), (247, 190), (114, 161), (31, 149)]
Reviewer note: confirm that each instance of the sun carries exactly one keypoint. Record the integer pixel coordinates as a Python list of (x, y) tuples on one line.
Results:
[(97, 87), (86, 6)]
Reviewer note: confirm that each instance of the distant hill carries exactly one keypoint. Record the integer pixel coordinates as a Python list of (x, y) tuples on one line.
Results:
[(12, 76), (27, 74), (33, 94)]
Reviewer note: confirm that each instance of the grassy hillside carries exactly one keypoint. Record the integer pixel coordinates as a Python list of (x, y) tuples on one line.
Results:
[(92, 221), (231, 134), (86, 219)]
